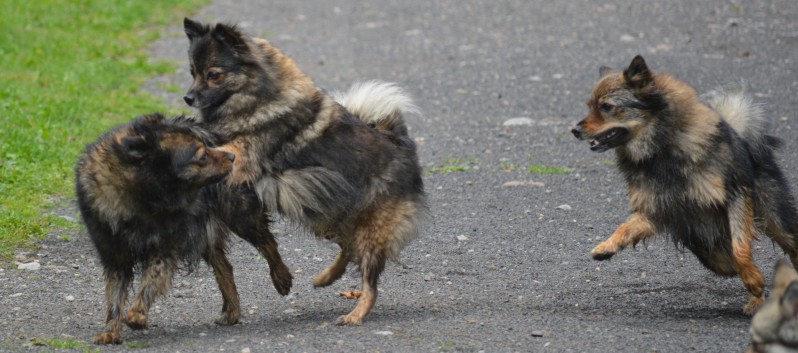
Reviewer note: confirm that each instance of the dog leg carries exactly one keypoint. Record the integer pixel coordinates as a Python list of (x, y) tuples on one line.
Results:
[(117, 283), (371, 265), (334, 271), (252, 225), (743, 228), (637, 228), (155, 281), (223, 272)]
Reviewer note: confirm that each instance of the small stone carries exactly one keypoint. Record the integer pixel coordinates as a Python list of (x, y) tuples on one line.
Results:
[(383, 333), (539, 333), (70, 298), (627, 38), (30, 266), (246, 350), (522, 183), (462, 237), (519, 121), (564, 207)]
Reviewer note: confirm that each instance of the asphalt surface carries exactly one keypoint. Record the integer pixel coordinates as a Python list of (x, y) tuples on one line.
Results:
[(500, 268)]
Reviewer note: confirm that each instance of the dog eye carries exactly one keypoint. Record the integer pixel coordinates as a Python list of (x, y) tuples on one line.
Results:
[(605, 107), (213, 75)]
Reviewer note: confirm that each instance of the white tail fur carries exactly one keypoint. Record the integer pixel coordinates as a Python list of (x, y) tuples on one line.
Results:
[(739, 111), (382, 104)]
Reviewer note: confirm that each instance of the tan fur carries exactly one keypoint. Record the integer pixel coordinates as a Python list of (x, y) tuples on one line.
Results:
[(702, 171)]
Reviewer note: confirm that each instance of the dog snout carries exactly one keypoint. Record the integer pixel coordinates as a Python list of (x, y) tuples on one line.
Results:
[(577, 131), (189, 98)]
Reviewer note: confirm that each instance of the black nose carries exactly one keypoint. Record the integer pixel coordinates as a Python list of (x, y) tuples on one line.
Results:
[(577, 131), (189, 98)]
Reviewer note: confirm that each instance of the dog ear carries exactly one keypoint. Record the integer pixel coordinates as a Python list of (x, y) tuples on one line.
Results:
[(605, 70), (785, 275), (193, 29), (134, 147), (638, 75), (789, 302), (231, 37)]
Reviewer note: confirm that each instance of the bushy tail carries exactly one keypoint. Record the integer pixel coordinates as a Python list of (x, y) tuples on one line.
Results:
[(380, 104), (743, 115)]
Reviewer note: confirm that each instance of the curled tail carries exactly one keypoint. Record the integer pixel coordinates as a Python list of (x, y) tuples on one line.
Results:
[(743, 115), (380, 104)]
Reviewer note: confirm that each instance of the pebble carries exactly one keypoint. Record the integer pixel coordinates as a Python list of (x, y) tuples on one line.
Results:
[(70, 298), (522, 183), (383, 333), (519, 121), (30, 266), (462, 237), (564, 207), (246, 350)]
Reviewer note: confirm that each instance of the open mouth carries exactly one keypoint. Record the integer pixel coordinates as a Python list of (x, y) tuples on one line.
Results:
[(609, 139)]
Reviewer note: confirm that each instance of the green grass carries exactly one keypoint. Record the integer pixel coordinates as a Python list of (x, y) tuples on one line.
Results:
[(453, 165), (69, 71), (136, 345), (65, 344), (543, 169)]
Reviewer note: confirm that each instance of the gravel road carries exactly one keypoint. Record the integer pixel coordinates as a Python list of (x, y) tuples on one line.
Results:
[(502, 267)]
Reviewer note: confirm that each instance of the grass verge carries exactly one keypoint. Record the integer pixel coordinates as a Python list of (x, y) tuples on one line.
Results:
[(70, 70)]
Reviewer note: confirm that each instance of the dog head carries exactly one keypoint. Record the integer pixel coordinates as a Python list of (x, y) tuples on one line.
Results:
[(170, 155), (622, 106), (774, 328), (231, 72)]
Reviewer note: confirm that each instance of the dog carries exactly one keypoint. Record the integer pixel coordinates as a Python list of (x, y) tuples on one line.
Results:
[(147, 193), (702, 171), (346, 170), (774, 327)]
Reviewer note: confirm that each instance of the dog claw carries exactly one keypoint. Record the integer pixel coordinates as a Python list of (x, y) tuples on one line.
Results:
[(108, 338), (282, 280), (349, 320), (753, 305), (136, 320), (601, 256), (227, 319)]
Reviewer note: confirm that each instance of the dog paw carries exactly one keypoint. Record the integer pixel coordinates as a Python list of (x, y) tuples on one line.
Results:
[(602, 252), (282, 280), (349, 320), (227, 319), (753, 305), (108, 338), (322, 281), (136, 320)]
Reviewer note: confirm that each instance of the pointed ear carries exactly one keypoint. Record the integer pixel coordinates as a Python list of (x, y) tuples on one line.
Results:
[(785, 274), (231, 37), (134, 147), (193, 29), (789, 302), (605, 70), (638, 75)]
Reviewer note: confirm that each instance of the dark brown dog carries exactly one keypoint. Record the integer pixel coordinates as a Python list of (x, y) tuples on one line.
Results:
[(349, 172), (148, 194)]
